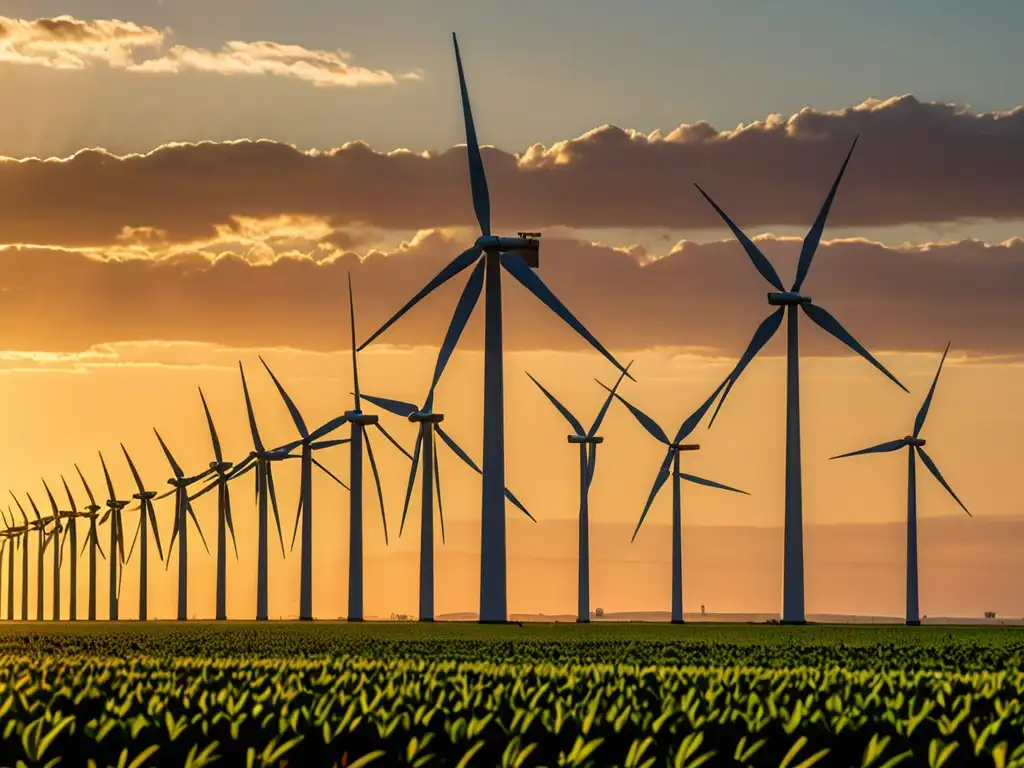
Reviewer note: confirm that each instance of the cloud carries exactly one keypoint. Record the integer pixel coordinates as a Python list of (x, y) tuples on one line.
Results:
[(65, 42), (916, 162), (704, 298)]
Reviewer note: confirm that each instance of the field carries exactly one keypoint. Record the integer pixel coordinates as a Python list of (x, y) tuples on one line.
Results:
[(538, 695)]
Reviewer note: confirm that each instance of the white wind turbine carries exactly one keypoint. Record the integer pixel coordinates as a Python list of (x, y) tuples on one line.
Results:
[(146, 515), (309, 441), (915, 447), (671, 464), (518, 256), (787, 303), (588, 440), (182, 512), (430, 480), (92, 541)]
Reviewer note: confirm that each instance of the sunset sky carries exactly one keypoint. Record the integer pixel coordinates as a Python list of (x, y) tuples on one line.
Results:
[(186, 185)]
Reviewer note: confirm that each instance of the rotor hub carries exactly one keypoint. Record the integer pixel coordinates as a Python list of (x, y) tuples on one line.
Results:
[(787, 298)]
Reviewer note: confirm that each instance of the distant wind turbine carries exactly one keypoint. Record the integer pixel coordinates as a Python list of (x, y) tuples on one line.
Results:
[(10, 535), (146, 514), (183, 510), (587, 440), (359, 421), (92, 541), (260, 459), (671, 463), (54, 534), (115, 508), (915, 447), (793, 552), (23, 531), (491, 253), (39, 526), (309, 443), (71, 539), (426, 449)]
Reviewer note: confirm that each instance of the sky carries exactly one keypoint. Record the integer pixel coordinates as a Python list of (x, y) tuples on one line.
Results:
[(188, 185)]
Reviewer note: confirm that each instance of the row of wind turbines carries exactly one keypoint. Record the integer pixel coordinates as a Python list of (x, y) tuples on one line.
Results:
[(490, 256)]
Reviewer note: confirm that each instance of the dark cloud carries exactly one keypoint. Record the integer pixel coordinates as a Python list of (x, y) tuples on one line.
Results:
[(916, 162), (707, 296)]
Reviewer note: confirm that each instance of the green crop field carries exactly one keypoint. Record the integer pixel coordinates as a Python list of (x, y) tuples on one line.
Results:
[(159, 694)]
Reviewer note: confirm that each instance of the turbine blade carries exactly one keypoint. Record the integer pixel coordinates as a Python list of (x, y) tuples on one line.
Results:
[(412, 480), (659, 481), (573, 421), (71, 499), (607, 402), (376, 480), (119, 527), (591, 463), (820, 316), (758, 259), (453, 268), (463, 311), (392, 440), (511, 497), (762, 336), (889, 447), (397, 407), (352, 325), (99, 547), (437, 485), (298, 515), (694, 418), (156, 528), (938, 476), (248, 407), (53, 501), (206, 488), (174, 465), (710, 483), (477, 177), (88, 491), (327, 428), (923, 413), (814, 236), (199, 528), (456, 449), (300, 424), (330, 474), (515, 266), (135, 538), (174, 533), (642, 418), (273, 505), (228, 520), (213, 430), (327, 444), (106, 475)]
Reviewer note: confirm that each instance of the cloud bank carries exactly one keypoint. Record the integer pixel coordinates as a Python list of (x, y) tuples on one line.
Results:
[(706, 297), (915, 163), (65, 42)]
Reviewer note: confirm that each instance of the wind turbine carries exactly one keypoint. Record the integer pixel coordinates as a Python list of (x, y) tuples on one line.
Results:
[(22, 533), (787, 303), (92, 541), (183, 510), (914, 444), (675, 447), (309, 442), (146, 514), (54, 534), (426, 447), (587, 440), (359, 421), (10, 534), (71, 536), (113, 513), (220, 468), (39, 526), (518, 256), (261, 459)]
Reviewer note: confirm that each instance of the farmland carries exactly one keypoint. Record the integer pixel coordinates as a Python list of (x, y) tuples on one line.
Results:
[(601, 695)]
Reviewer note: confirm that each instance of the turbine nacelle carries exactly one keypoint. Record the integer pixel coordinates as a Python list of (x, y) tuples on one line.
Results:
[(677, 447), (220, 467), (144, 496), (787, 299), (527, 245), (914, 442), (360, 418), (93, 509), (117, 505), (426, 417), (585, 439)]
